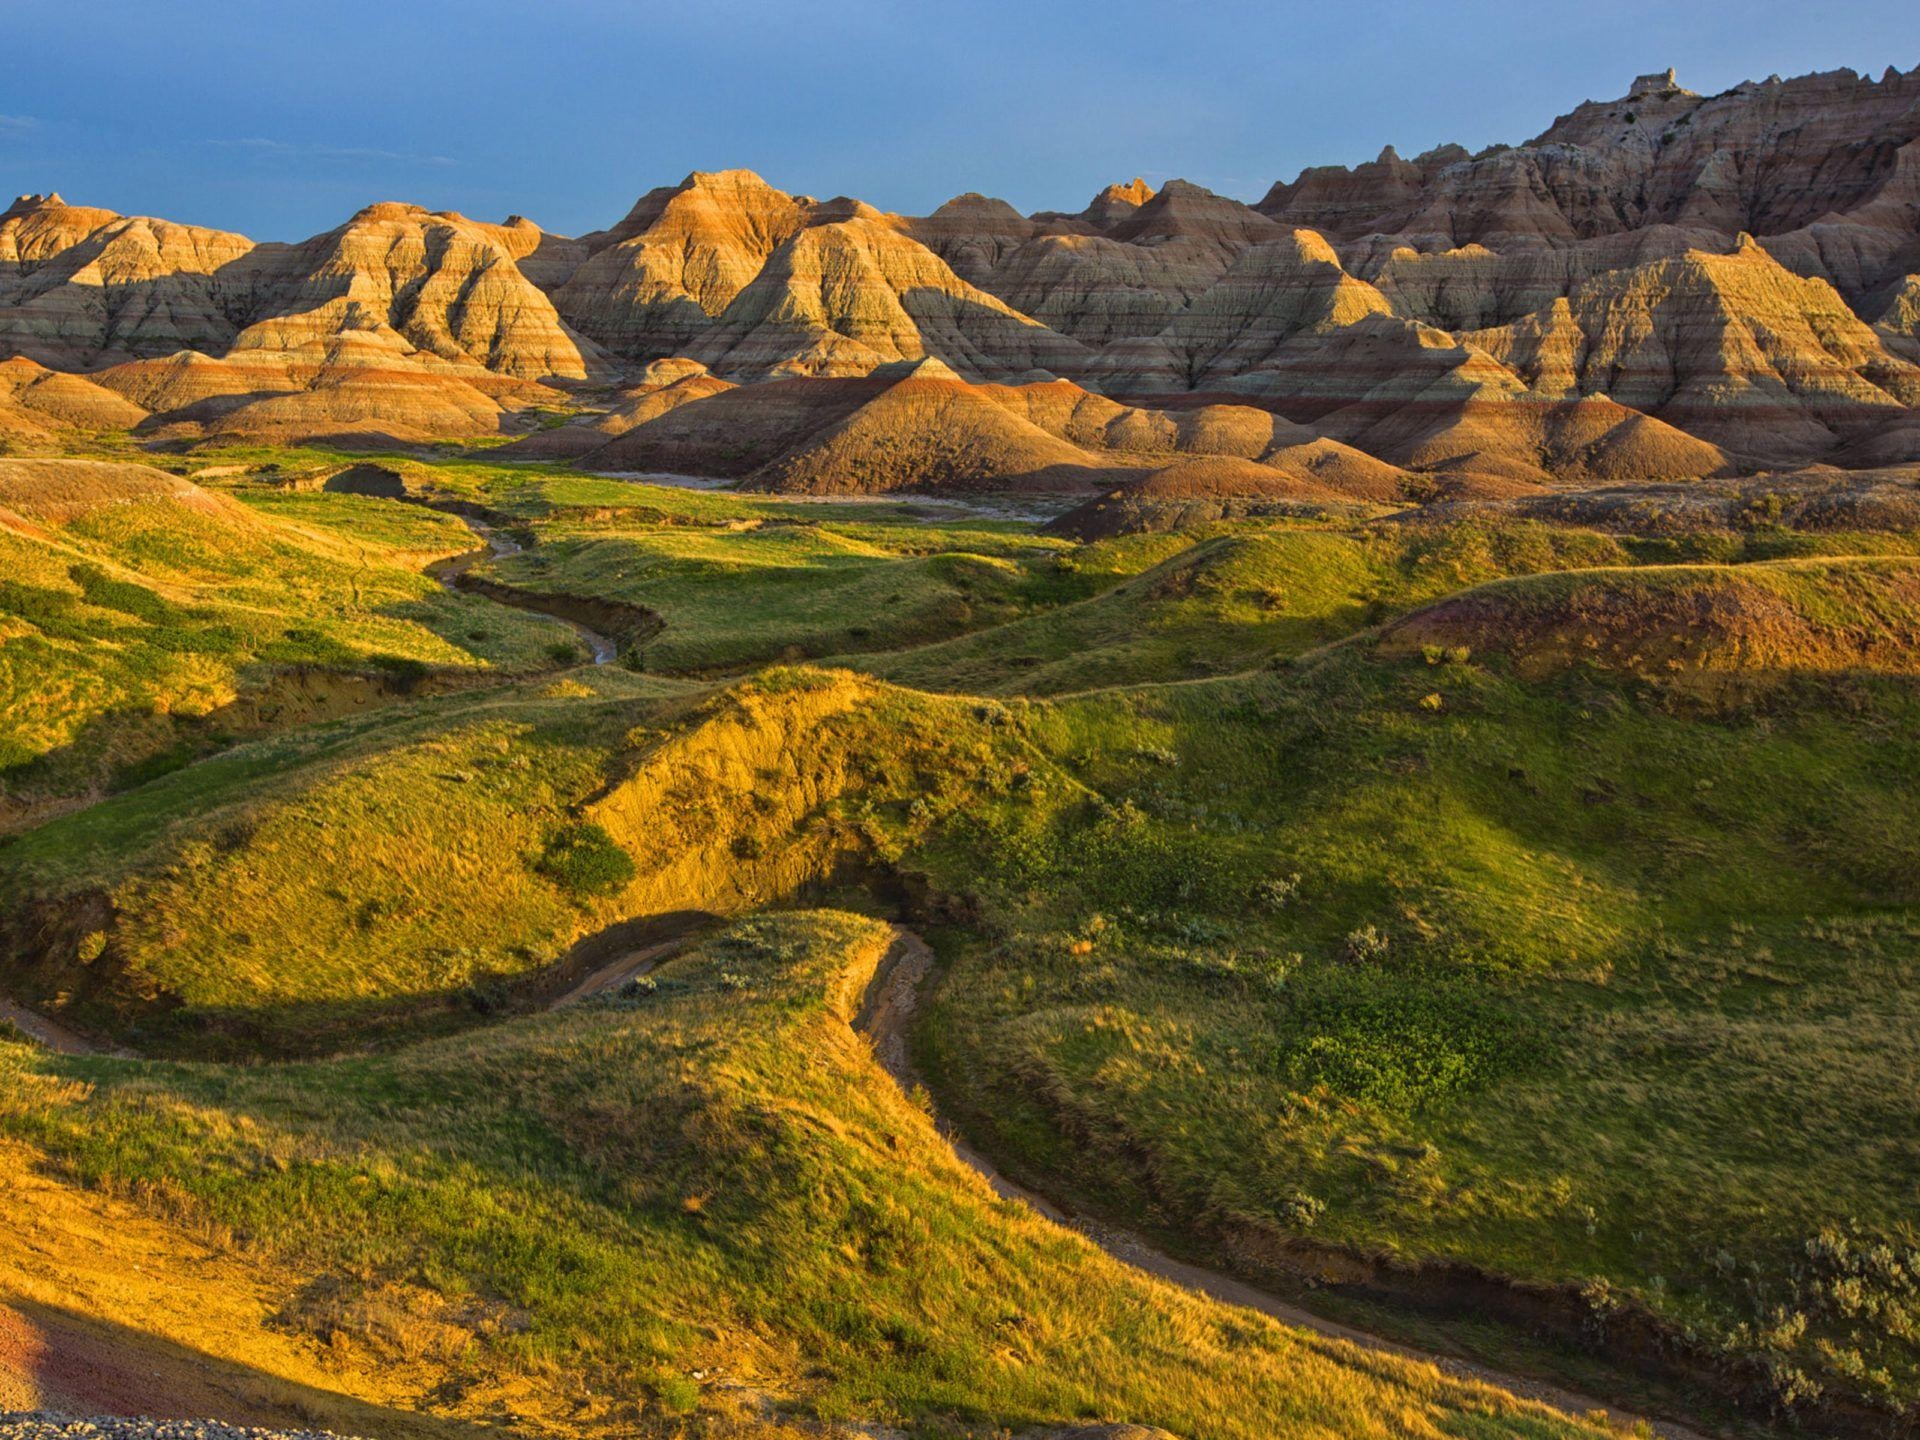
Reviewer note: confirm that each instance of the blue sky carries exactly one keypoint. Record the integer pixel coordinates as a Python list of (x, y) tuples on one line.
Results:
[(280, 119)]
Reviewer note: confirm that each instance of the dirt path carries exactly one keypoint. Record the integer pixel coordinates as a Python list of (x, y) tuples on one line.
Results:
[(51, 1033), (617, 972), (603, 650), (886, 1019)]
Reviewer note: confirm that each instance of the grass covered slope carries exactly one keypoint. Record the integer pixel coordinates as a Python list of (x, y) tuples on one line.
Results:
[(1403, 948), (1187, 606), (142, 614), (704, 1197), (796, 587), (1491, 898), (1811, 615), (296, 890), (1577, 979), (303, 893)]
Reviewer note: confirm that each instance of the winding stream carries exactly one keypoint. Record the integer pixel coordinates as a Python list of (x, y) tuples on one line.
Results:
[(450, 573)]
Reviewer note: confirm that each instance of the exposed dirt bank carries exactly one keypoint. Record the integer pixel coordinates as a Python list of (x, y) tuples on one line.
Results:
[(597, 622)]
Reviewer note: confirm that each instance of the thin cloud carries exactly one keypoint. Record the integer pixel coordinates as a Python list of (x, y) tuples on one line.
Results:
[(17, 124), (350, 153)]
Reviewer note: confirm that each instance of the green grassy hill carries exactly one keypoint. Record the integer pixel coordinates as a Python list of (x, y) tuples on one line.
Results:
[(146, 619), (1579, 979), (704, 1196), (1361, 908)]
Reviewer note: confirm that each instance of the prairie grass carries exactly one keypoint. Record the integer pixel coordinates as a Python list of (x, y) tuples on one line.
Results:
[(1578, 981), (130, 632), (1376, 931), (642, 1206)]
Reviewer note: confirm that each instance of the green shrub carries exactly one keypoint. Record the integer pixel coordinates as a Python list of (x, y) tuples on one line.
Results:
[(1366, 944), (584, 860), (129, 599), (1301, 1210), (1399, 1042)]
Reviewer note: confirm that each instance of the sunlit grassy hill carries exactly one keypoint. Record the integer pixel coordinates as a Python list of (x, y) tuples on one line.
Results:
[(700, 1195)]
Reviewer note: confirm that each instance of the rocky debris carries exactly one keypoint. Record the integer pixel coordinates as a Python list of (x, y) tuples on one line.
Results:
[(42, 1425)]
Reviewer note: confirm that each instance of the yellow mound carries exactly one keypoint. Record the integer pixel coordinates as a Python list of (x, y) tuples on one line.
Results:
[(36, 403), (54, 492), (1791, 616), (346, 401)]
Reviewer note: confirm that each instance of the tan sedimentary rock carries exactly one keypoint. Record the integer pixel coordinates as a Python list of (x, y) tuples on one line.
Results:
[(1117, 203), (844, 298), (443, 285), (665, 385), (921, 426), (1899, 323), (1271, 293), (346, 402), (932, 431), (975, 234), (36, 401), (1576, 306), (1766, 158), (735, 430), (402, 322), (78, 285), (1733, 348), (660, 278), (188, 378), (1473, 287)]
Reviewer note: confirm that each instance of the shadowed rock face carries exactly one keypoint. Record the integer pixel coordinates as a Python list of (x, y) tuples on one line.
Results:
[(1661, 286)]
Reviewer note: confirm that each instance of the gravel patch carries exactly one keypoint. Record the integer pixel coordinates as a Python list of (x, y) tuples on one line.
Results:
[(41, 1425)]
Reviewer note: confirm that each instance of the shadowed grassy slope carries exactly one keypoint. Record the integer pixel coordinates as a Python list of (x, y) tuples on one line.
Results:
[(298, 889), (638, 1208)]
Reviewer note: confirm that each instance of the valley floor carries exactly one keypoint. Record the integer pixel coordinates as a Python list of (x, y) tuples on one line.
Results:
[(1440, 913)]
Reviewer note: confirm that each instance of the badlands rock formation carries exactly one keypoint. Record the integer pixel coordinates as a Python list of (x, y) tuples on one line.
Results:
[(401, 322), (918, 425), (1664, 286)]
